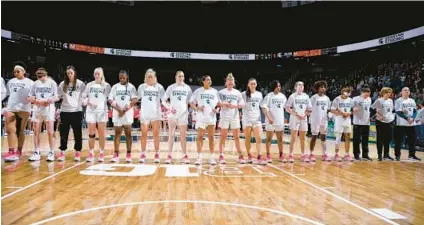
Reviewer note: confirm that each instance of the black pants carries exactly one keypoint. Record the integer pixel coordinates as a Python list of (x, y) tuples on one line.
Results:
[(384, 137), (67, 120), (360, 135), (400, 132)]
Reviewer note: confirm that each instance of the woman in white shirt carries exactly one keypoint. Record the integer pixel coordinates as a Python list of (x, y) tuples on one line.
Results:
[(178, 95), (70, 90), (385, 117), (252, 119), (95, 98), (273, 107), (18, 112), (205, 101), (44, 95), (150, 94), (299, 106), (122, 98), (231, 100)]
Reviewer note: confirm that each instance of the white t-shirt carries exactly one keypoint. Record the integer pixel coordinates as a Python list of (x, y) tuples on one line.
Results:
[(209, 99), (234, 97), (385, 108), (251, 110), (97, 95), (362, 116), (3, 89), (72, 99), (408, 104), (298, 103), (275, 104), (122, 95), (320, 107), (179, 96), (150, 97), (44, 90), (342, 105), (18, 92)]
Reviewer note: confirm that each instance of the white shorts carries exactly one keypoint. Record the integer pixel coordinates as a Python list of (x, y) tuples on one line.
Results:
[(296, 124), (252, 124), (181, 119), (342, 129), (144, 120), (227, 123), (40, 117), (272, 128), (204, 125), (317, 128), (96, 117), (125, 120)]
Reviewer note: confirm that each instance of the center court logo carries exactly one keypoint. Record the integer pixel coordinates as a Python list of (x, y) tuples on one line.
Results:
[(175, 171)]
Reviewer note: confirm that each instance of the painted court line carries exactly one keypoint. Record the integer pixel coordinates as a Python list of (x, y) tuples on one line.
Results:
[(336, 196), (178, 201), (389, 214), (40, 181)]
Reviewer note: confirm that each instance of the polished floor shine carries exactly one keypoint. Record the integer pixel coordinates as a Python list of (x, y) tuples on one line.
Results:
[(300, 193)]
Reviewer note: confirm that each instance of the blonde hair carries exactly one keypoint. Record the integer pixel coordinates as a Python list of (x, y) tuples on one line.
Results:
[(102, 75), (385, 90), (231, 77), (154, 76)]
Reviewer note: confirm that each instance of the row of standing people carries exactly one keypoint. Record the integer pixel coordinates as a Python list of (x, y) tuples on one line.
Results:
[(207, 101)]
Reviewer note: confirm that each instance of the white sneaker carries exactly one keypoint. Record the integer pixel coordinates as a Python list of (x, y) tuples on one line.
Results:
[(50, 156), (212, 161), (35, 157), (199, 161)]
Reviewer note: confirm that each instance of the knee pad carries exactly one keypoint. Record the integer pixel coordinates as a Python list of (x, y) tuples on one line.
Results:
[(92, 136)]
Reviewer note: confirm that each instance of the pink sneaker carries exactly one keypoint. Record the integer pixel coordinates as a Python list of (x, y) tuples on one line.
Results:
[(18, 153), (61, 157), (268, 158), (249, 158), (312, 158), (304, 158), (169, 160), (291, 159), (157, 160), (326, 158), (241, 160), (348, 158), (115, 158), (142, 158), (101, 157), (186, 160), (283, 158), (128, 159), (221, 159), (337, 157), (11, 156), (90, 157), (261, 160), (77, 157)]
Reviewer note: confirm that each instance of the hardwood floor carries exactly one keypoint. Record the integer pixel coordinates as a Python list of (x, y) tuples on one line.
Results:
[(299, 193)]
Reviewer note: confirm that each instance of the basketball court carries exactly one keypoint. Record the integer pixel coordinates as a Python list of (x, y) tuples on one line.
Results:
[(301, 193)]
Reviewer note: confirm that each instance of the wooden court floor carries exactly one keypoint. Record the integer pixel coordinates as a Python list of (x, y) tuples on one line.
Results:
[(299, 193)]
